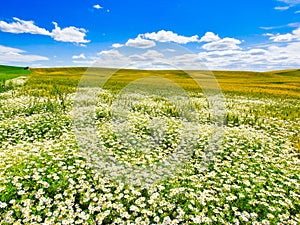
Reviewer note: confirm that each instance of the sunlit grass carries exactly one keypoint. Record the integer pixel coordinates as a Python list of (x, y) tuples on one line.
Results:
[(274, 84), (46, 179)]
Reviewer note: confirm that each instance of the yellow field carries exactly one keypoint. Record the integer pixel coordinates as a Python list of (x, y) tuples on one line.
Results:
[(274, 83)]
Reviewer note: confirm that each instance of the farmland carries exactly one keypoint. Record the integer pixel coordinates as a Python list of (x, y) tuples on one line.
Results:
[(253, 178)]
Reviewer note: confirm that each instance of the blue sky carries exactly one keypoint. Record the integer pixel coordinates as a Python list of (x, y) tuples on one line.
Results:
[(231, 34)]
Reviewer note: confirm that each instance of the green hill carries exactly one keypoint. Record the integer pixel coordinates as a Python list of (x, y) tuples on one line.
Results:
[(10, 72)]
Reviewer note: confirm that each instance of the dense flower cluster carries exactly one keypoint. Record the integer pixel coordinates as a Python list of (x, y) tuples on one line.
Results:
[(46, 179)]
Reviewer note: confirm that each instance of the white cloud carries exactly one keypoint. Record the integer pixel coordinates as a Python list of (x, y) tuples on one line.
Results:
[(147, 40), (170, 50), (112, 58), (9, 50), (169, 56), (22, 26), (110, 53), (187, 61), (223, 44), (68, 34), (281, 26), (288, 37), (13, 55), (97, 6), (209, 36), (216, 54), (271, 27), (268, 35), (149, 55), (256, 51), (169, 36), (81, 56), (140, 42), (298, 11), (297, 24), (290, 2), (117, 45), (84, 62), (215, 43), (267, 58), (282, 37), (150, 59), (281, 8), (152, 54)]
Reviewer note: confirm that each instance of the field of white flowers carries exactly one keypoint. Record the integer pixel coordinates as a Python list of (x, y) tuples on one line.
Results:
[(45, 178)]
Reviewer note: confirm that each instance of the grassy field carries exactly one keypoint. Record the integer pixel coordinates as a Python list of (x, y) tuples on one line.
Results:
[(48, 176), (277, 83), (10, 72)]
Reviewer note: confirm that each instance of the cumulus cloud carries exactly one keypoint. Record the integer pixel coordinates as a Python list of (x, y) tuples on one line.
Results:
[(140, 42), (256, 51), (68, 34), (262, 58), (84, 62), (220, 52), (217, 53), (13, 55), (268, 35), (97, 6), (226, 53), (111, 58), (209, 36), (148, 55), (110, 53), (170, 36), (223, 44), (81, 56), (288, 37), (117, 45), (147, 40), (187, 61), (22, 26), (282, 37), (215, 43), (268, 58), (150, 59)]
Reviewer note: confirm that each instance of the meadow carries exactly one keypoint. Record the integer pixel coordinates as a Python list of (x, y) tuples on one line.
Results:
[(253, 178), (10, 72)]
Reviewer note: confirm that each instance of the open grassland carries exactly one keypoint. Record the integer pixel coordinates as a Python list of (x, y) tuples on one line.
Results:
[(254, 177), (277, 83), (8, 73)]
